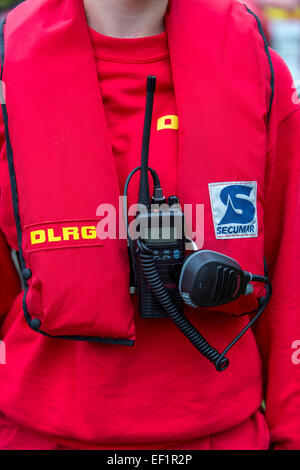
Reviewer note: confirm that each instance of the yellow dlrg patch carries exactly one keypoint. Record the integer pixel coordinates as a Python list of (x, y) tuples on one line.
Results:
[(53, 235)]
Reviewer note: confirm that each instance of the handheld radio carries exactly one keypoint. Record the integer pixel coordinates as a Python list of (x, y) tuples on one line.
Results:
[(161, 225), (161, 274)]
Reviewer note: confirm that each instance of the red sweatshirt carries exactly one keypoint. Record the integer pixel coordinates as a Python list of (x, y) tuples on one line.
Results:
[(155, 395)]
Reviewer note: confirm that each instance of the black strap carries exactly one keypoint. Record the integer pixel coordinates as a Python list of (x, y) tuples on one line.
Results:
[(2, 24), (272, 81), (272, 84), (9, 151)]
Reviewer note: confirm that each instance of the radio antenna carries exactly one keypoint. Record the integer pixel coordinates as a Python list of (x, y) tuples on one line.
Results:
[(144, 191)]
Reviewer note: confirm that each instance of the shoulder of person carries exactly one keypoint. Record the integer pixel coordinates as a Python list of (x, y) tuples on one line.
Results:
[(286, 99)]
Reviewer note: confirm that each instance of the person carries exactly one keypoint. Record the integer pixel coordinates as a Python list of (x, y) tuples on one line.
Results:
[(225, 134)]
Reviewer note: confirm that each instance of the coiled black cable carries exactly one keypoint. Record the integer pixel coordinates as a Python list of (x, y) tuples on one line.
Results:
[(153, 278)]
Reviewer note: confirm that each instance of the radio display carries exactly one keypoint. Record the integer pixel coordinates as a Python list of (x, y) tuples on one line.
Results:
[(160, 234)]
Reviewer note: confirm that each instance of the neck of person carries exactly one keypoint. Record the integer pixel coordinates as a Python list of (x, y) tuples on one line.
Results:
[(126, 18)]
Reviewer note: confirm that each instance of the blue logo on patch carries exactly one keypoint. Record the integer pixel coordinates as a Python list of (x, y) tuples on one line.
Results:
[(239, 211), (234, 208)]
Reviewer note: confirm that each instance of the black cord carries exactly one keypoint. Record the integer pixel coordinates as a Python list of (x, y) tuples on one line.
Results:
[(268, 287), (156, 183), (154, 280), (130, 242)]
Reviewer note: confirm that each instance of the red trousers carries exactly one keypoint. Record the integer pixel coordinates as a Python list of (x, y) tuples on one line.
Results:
[(252, 434)]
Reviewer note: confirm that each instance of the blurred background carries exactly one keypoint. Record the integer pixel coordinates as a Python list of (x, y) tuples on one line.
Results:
[(281, 21), (5, 5), (280, 18)]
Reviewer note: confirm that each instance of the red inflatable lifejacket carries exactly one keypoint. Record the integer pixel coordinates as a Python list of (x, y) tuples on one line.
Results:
[(62, 167)]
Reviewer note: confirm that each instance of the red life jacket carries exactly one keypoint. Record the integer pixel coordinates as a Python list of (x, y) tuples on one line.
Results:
[(62, 167)]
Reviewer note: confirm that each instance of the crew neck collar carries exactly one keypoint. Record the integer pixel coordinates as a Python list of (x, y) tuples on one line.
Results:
[(145, 49)]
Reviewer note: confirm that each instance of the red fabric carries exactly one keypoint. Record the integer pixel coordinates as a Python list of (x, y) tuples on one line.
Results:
[(85, 395), (280, 327), (123, 66), (11, 287), (252, 434)]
